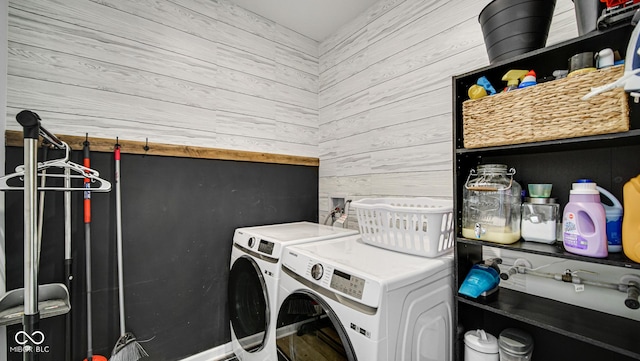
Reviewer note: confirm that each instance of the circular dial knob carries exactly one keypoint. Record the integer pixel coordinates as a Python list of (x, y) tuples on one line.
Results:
[(251, 242), (316, 271)]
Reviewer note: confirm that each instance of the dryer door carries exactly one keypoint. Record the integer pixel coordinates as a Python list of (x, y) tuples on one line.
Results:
[(248, 304), (308, 329)]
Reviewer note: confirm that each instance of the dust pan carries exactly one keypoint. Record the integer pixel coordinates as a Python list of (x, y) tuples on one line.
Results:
[(53, 300)]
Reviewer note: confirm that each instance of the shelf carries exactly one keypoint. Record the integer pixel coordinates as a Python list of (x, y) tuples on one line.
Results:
[(608, 159), (616, 37), (609, 332), (605, 140), (556, 250)]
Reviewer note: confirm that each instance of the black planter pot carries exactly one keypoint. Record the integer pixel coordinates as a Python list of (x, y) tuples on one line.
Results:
[(587, 14), (514, 27)]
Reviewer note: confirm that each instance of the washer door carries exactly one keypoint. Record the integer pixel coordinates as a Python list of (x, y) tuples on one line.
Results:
[(248, 304), (308, 329)]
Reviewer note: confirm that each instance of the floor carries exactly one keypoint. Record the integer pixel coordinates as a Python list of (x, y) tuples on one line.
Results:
[(229, 358), (322, 344), (317, 345)]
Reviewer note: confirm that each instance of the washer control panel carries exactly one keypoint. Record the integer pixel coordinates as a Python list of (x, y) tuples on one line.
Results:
[(256, 243), (265, 247)]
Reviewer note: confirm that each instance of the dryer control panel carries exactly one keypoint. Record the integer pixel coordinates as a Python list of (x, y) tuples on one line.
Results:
[(349, 284), (335, 278)]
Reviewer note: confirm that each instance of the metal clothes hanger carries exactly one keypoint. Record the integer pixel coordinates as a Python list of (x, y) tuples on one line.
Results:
[(80, 171)]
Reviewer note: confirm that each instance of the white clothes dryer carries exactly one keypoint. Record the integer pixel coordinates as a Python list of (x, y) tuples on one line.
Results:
[(345, 300), (253, 282)]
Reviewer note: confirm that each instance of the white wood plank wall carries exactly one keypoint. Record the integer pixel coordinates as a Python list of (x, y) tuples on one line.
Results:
[(373, 101), (190, 72), (385, 96)]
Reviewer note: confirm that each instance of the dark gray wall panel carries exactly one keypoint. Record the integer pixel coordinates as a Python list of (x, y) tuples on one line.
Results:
[(178, 220)]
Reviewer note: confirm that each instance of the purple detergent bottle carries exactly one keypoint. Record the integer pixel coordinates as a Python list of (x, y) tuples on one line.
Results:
[(584, 221)]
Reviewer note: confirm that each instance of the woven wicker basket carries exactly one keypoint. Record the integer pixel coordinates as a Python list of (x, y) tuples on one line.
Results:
[(547, 111)]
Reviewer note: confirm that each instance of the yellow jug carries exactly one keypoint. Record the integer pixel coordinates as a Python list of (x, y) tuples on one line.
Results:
[(631, 219)]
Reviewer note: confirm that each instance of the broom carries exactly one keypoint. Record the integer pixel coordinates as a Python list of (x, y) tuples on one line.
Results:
[(126, 348)]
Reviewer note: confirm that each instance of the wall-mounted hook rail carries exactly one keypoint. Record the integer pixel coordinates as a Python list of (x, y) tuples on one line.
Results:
[(14, 139)]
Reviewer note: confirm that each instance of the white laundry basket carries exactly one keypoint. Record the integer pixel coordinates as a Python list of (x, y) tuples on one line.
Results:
[(421, 226)]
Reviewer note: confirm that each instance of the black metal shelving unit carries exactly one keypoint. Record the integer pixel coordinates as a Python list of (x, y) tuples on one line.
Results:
[(561, 331), (585, 325), (557, 250)]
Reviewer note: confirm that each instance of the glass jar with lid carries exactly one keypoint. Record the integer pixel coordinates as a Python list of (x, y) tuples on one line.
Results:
[(539, 219), (491, 201)]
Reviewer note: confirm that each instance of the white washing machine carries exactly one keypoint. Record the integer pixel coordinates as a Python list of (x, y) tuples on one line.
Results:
[(253, 282), (345, 300)]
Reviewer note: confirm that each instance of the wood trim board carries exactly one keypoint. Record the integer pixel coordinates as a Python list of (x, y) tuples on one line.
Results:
[(15, 138)]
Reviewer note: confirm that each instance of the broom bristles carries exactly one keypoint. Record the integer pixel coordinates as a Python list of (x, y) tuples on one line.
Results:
[(127, 349)]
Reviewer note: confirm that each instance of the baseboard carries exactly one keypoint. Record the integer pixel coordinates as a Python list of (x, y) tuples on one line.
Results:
[(220, 353)]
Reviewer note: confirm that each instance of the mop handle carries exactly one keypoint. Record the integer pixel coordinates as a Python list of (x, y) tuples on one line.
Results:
[(119, 239), (67, 259), (87, 233), (43, 183), (87, 183)]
